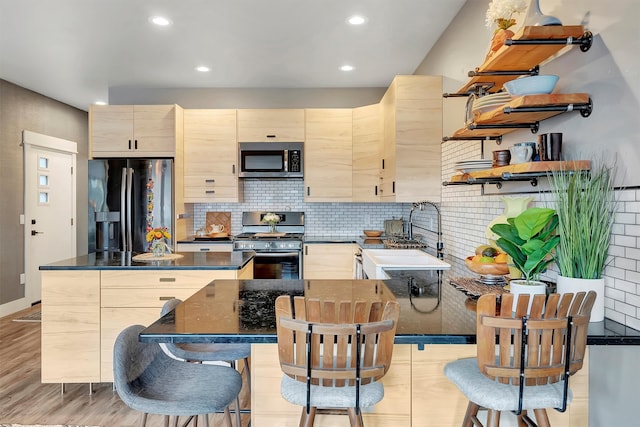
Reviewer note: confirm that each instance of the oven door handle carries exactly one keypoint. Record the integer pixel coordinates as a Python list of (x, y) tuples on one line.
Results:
[(277, 254)]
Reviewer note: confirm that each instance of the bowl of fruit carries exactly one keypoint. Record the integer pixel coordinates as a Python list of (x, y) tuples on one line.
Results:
[(488, 261)]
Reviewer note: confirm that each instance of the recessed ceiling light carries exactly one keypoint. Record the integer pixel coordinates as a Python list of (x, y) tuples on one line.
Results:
[(357, 20), (203, 69), (160, 21), (100, 103), (346, 68)]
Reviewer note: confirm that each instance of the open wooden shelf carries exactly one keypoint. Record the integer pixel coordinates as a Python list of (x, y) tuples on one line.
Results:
[(519, 172), (520, 57), (524, 111)]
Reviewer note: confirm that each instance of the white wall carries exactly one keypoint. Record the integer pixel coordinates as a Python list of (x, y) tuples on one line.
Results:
[(609, 73)]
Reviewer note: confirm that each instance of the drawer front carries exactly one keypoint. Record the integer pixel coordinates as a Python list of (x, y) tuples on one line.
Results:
[(163, 279), (210, 193), (206, 181), (142, 297), (205, 247)]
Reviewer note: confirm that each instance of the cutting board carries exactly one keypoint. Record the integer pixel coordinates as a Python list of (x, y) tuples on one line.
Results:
[(223, 218)]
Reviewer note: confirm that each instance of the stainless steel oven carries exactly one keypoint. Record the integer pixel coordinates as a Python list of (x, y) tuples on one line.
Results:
[(279, 253)]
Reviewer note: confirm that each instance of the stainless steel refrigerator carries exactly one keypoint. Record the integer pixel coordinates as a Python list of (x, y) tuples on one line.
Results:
[(128, 197)]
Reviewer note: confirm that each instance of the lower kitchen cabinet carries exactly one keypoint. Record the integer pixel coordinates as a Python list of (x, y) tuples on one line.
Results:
[(70, 326), (83, 311), (328, 260), (416, 392)]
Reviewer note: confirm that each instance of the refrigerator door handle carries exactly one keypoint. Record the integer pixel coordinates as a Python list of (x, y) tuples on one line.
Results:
[(123, 196), (129, 207)]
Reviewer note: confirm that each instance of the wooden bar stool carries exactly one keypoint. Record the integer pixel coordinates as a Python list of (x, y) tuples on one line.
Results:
[(523, 362), (333, 353)]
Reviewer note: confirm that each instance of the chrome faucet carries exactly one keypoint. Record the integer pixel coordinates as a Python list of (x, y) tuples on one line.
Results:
[(421, 205)]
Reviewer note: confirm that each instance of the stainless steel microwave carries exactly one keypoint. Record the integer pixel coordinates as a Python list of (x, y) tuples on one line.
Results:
[(270, 160)]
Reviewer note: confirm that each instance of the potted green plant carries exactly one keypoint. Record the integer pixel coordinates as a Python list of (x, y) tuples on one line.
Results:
[(586, 204), (529, 239)]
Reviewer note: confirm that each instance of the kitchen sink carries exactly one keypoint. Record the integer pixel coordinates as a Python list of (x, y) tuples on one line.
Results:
[(375, 261)]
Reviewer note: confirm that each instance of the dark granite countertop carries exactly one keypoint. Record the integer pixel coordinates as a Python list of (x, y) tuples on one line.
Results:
[(432, 310), (123, 261)]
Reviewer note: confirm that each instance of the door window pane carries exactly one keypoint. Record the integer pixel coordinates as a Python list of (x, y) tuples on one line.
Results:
[(44, 198), (43, 180), (43, 163)]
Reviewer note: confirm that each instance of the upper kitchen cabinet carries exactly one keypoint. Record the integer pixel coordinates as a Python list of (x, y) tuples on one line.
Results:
[(271, 125), (327, 159), (367, 152), (210, 156), (135, 130), (411, 157)]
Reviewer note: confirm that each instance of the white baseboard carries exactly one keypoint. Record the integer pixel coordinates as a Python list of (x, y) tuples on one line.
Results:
[(13, 306)]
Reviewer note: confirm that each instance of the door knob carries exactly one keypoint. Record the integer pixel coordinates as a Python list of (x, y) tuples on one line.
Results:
[(34, 232)]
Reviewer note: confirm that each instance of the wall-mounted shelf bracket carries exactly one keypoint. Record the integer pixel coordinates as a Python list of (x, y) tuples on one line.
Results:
[(531, 72), (534, 127), (478, 88), (497, 139), (585, 109), (584, 42)]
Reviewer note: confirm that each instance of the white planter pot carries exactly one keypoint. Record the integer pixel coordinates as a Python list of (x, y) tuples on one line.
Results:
[(573, 285), (517, 287)]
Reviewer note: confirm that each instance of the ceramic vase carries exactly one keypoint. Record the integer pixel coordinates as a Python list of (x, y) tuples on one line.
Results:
[(573, 285), (533, 287), (535, 16), (513, 206)]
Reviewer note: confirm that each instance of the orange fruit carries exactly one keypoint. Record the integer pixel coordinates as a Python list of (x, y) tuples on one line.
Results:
[(501, 258), (476, 258)]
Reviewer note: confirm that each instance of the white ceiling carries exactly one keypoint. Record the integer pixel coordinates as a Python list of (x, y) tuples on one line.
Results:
[(75, 50)]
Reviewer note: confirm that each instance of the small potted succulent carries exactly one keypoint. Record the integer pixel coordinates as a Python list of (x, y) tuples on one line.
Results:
[(529, 239)]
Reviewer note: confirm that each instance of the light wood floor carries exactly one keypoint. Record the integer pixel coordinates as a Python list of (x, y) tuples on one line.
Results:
[(24, 400)]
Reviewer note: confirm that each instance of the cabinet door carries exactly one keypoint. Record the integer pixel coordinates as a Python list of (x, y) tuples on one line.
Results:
[(388, 160), (328, 151), (367, 145), (134, 130), (328, 261), (210, 156), (70, 326), (154, 130), (271, 125), (111, 130)]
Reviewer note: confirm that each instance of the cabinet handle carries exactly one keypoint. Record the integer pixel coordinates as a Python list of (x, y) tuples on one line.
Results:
[(204, 249), (271, 136), (209, 180), (376, 192), (167, 279), (308, 191), (135, 144), (209, 191), (233, 169), (306, 250), (166, 298), (382, 163), (393, 187), (129, 144)]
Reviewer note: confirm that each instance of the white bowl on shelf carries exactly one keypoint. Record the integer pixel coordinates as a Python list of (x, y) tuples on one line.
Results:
[(532, 85)]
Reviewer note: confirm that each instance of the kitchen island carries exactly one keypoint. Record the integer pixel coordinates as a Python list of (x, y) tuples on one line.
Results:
[(88, 300), (436, 325)]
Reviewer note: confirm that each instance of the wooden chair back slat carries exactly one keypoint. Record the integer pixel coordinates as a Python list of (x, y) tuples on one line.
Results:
[(333, 340), (546, 336)]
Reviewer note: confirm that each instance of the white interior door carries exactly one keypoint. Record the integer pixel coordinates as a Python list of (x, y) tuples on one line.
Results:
[(50, 205)]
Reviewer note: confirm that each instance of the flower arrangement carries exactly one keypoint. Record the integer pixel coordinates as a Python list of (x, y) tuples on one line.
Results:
[(156, 237), (272, 219), (158, 233), (501, 12)]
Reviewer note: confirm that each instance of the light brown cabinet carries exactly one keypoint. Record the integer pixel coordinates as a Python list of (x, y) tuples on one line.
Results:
[(70, 326), (366, 153), (135, 130), (210, 156), (328, 155), (83, 311), (271, 125), (412, 117), (328, 261)]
